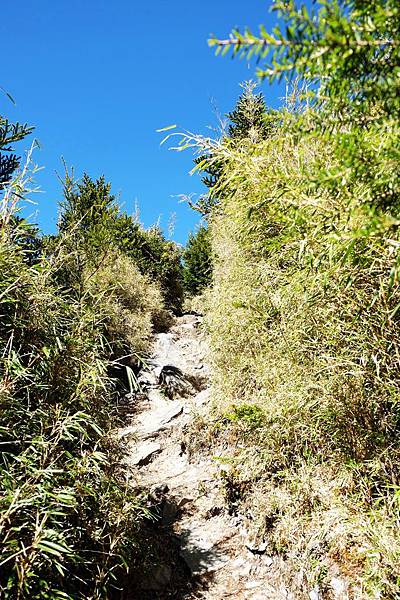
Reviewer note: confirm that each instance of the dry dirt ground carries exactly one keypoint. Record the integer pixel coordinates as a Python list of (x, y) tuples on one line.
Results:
[(196, 550)]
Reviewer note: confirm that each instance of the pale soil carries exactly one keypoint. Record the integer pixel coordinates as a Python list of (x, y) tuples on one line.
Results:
[(201, 551)]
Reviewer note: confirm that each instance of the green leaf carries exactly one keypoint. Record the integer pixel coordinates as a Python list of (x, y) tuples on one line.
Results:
[(8, 95), (168, 128), (54, 548)]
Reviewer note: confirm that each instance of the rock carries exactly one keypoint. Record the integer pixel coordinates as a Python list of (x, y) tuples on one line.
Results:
[(155, 421), (157, 579), (314, 594), (146, 380), (174, 383), (268, 561), (159, 490), (339, 588), (144, 453), (171, 508), (252, 585), (201, 545), (184, 489), (241, 566), (202, 397), (257, 548), (202, 559), (126, 431), (183, 500), (169, 512)]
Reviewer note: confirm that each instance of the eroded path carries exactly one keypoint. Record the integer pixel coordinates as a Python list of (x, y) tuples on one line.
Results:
[(201, 551)]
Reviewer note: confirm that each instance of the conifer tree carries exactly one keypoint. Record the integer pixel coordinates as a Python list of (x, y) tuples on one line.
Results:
[(155, 256), (9, 161), (248, 120), (92, 216), (86, 223), (89, 207), (197, 262)]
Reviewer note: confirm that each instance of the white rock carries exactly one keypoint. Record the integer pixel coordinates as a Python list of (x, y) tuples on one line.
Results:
[(314, 594), (339, 588), (268, 560), (153, 422), (144, 451), (200, 545)]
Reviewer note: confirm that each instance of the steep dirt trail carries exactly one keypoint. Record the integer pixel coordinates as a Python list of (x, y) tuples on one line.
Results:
[(203, 552)]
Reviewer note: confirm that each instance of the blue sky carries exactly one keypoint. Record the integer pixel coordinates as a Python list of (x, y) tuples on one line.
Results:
[(98, 78)]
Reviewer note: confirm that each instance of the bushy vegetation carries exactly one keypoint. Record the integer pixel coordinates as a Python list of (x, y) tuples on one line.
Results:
[(72, 308), (197, 261), (158, 258), (91, 212), (304, 310), (302, 215), (249, 120)]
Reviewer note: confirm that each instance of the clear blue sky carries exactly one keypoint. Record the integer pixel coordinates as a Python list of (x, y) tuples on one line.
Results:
[(97, 78)]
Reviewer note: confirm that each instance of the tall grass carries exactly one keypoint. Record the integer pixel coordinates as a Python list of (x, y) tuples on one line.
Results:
[(303, 320), (69, 519)]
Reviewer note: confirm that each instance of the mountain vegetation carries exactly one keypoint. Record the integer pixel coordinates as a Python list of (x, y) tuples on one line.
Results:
[(197, 260), (298, 260), (77, 314), (303, 312)]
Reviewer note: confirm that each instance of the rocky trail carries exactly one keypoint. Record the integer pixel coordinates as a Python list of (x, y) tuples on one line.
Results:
[(200, 551)]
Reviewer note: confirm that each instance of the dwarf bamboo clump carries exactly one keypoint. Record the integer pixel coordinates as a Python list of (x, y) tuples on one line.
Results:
[(69, 520), (303, 321), (303, 312)]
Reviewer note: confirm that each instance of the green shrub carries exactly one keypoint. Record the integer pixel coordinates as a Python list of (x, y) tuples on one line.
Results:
[(303, 324), (69, 519), (197, 261), (303, 314), (93, 221), (73, 307), (130, 303), (248, 416), (67, 516), (155, 256)]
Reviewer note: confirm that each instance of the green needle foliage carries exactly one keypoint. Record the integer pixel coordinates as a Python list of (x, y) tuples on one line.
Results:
[(348, 50), (248, 120), (197, 262), (9, 161), (155, 256), (90, 212), (249, 117)]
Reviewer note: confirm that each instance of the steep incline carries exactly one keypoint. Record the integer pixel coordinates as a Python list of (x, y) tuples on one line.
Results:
[(203, 552)]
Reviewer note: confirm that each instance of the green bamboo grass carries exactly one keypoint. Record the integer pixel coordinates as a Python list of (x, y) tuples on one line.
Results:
[(69, 519), (303, 321)]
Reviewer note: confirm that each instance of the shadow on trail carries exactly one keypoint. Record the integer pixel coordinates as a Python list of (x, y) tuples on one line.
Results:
[(173, 562), (163, 574), (177, 551)]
